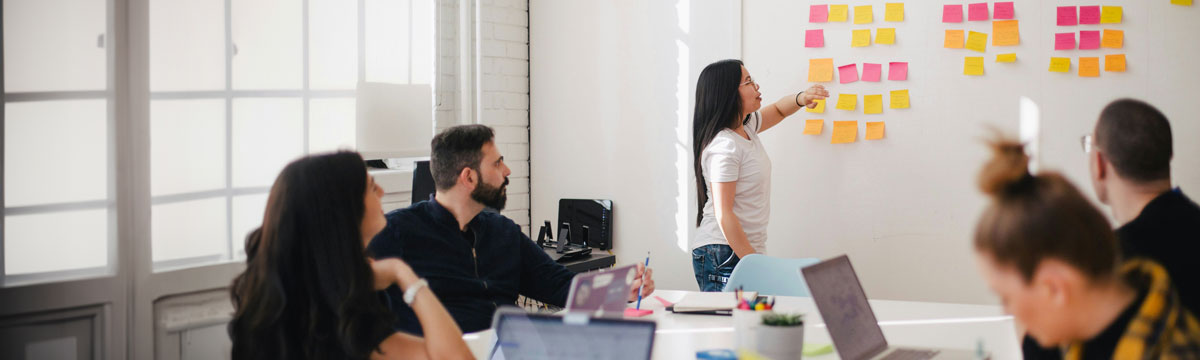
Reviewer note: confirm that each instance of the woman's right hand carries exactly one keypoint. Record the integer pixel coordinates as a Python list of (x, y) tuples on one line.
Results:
[(392, 271)]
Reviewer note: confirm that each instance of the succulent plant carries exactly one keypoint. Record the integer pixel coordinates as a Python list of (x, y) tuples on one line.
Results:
[(780, 319)]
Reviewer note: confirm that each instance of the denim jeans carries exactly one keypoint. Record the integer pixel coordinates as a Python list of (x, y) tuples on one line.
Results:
[(712, 264)]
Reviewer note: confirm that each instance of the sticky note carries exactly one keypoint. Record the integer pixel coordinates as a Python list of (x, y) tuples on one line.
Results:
[(839, 13), (1060, 64), (897, 71), (952, 13), (1006, 33), (973, 65), (819, 109), (1182, 2), (954, 39), (860, 38), (885, 36), (1064, 41), (1066, 16), (1089, 15), (977, 12), (1089, 39), (1110, 14), (1006, 58), (863, 14), (893, 12), (814, 38), (872, 72), (1003, 10), (1113, 39), (1089, 67), (818, 13), (1114, 62), (844, 132), (873, 104), (874, 130), (847, 102), (848, 73), (813, 127), (820, 70), (977, 41), (899, 99)]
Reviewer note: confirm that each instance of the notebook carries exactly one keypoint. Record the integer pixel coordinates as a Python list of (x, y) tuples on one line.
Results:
[(716, 303)]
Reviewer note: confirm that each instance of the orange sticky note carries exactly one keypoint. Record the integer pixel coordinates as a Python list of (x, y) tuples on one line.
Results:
[(847, 102), (874, 130), (977, 41), (1114, 62), (838, 13), (872, 104), (863, 14), (813, 127), (1089, 66), (1006, 33), (899, 99), (820, 70), (893, 12), (1113, 39), (844, 132), (973, 65), (819, 109), (1060, 64), (885, 36), (954, 39)]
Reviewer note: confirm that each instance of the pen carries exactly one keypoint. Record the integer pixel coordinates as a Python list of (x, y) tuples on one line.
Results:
[(643, 286)]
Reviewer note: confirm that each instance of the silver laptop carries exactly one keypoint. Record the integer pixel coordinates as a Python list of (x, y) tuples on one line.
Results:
[(851, 322), (601, 293), (521, 335)]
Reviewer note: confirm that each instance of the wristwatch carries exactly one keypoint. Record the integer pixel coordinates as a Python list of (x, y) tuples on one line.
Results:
[(410, 294)]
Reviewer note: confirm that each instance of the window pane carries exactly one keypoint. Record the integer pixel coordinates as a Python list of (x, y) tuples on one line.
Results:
[(55, 241), (187, 45), (331, 125), (188, 229), (247, 216), (267, 134), (267, 34), (54, 45), (187, 146), (387, 41), (423, 37), (333, 44), (55, 152)]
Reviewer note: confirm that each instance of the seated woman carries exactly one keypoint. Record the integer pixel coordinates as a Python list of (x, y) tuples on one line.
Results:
[(1054, 261), (309, 291)]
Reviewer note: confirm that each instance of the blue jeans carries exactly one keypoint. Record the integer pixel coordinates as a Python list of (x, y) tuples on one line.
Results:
[(712, 264)]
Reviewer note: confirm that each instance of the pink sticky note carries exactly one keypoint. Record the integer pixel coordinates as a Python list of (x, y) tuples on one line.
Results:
[(1066, 16), (814, 38), (662, 301), (1089, 15), (1003, 11), (818, 13), (1089, 39), (1064, 41), (952, 13), (848, 73), (977, 12), (897, 71), (637, 313), (872, 72)]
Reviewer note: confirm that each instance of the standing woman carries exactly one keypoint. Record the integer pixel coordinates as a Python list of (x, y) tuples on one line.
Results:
[(733, 173)]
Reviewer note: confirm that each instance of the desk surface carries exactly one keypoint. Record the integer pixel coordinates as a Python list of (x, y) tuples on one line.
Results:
[(904, 323)]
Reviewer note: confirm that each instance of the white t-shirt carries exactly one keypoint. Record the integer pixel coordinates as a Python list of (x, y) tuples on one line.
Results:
[(730, 157)]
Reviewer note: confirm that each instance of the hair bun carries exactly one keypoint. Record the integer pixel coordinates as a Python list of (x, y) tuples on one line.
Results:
[(1008, 168)]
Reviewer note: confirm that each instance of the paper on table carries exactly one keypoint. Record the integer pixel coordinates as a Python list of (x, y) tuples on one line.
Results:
[(1006, 33), (954, 39), (898, 71), (899, 99), (839, 13), (1064, 41), (872, 104), (818, 13), (820, 108), (1089, 66), (844, 132), (847, 102), (1114, 63), (860, 38), (872, 72), (1066, 16), (885, 36), (1089, 15), (1089, 39), (893, 12), (1060, 64), (1113, 39), (813, 127), (977, 12), (1006, 58), (874, 130), (820, 70), (1003, 10), (848, 73), (952, 13), (863, 14), (1110, 14), (814, 38), (977, 41), (973, 65)]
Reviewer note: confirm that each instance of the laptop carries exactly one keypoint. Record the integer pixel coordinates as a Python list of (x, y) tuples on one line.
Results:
[(521, 335), (851, 322), (601, 293)]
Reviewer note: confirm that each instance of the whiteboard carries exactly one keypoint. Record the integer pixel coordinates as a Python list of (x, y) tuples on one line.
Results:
[(904, 207)]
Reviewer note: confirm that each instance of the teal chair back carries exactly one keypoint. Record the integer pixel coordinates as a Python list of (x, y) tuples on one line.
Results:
[(770, 275)]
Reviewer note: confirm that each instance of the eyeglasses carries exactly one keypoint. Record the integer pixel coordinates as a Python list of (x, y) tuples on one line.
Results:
[(1086, 143), (749, 82)]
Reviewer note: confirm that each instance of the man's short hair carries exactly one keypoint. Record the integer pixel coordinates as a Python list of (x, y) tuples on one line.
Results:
[(457, 148), (1136, 139)]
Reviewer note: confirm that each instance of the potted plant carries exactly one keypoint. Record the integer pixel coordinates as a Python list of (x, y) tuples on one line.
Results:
[(781, 336)]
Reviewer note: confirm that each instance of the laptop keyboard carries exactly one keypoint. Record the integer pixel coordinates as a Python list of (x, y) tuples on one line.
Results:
[(910, 354)]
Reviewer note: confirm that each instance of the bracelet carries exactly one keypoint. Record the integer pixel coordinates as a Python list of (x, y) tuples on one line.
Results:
[(798, 99), (410, 294)]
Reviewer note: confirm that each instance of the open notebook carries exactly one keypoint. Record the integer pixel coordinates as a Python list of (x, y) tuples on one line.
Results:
[(717, 303)]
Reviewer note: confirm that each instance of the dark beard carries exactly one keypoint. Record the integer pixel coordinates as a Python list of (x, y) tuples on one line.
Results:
[(490, 196)]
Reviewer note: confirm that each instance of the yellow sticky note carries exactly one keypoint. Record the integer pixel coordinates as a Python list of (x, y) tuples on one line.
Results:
[(977, 41), (1006, 58), (1089, 66), (954, 39), (1006, 33), (899, 99), (844, 132), (838, 13), (820, 70), (873, 104), (885, 36), (893, 12), (847, 102), (813, 127), (860, 38), (1060, 64), (874, 130), (1114, 62), (1182, 2), (1113, 39), (1110, 15), (819, 109), (973, 65), (863, 14)]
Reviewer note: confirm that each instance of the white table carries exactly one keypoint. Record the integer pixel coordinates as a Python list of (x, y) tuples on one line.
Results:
[(905, 323)]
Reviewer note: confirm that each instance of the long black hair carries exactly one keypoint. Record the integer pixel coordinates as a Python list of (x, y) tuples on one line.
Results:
[(718, 107), (308, 291)]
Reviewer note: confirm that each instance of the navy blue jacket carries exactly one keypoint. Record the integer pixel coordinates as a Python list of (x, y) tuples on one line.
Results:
[(470, 282)]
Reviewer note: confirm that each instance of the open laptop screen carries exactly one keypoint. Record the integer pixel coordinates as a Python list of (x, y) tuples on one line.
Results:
[(843, 305), (541, 336)]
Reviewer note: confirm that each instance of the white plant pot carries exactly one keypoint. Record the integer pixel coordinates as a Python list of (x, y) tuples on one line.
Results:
[(745, 327), (780, 342)]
